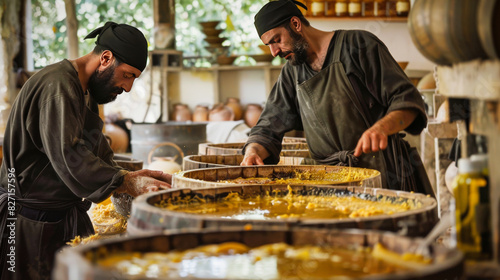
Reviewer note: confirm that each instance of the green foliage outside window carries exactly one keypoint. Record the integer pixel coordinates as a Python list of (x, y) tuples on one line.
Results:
[(49, 24)]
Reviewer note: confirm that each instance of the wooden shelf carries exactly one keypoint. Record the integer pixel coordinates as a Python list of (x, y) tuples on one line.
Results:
[(476, 79), (258, 66), (269, 71), (385, 19), (441, 130)]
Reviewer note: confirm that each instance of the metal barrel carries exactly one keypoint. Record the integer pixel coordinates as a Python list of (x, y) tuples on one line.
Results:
[(186, 135)]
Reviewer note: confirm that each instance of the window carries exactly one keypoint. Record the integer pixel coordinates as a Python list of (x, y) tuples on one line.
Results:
[(48, 21)]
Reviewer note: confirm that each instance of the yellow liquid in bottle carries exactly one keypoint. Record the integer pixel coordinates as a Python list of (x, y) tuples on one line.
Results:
[(472, 216)]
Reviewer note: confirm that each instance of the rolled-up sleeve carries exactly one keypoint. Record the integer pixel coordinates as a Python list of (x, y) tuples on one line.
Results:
[(384, 79)]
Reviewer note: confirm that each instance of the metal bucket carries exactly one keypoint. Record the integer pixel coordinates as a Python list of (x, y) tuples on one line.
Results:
[(186, 135)]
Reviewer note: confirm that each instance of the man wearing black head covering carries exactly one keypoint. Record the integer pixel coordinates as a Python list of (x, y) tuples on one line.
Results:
[(348, 94), (56, 158)]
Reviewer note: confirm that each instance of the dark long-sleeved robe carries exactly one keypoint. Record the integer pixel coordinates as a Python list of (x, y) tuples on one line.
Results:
[(376, 80), (55, 151)]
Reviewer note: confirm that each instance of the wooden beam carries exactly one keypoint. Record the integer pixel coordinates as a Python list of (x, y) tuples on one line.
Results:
[(72, 24)]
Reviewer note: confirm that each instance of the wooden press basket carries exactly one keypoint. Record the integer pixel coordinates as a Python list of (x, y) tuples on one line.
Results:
[(79, 262), (210, 161), (211, 177), (148, 218), (298, 149)]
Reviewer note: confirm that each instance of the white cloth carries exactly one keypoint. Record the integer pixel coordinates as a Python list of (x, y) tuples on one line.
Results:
[(227, 131)]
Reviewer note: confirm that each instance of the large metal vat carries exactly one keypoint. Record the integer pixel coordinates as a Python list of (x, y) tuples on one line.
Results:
[(79, 263), (146, 217), (186, 135)]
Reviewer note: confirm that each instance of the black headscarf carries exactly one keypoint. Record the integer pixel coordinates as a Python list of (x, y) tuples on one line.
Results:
[(126, 42), (275, 13)]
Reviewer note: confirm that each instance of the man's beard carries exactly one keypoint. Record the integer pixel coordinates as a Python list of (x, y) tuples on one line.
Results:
[(299, 48), (101, 86)]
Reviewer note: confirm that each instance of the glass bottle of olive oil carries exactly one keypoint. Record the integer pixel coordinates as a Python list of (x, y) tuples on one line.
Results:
[(483, 210), (472, 210)]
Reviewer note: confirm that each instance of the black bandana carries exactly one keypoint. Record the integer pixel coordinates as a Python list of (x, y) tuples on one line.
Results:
[(275, 13), (126, 42)]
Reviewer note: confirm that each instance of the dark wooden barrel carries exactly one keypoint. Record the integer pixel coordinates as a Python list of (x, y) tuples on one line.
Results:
[(80, 262), (489, 27), (446, 31), (122, 201), (290, 139), (210, 161), (148, 218), (127, 162), (298, 149), (212, 177)]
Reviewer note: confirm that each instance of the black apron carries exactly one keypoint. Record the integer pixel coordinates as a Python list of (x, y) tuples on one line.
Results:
[(331, 115), (334, 120)]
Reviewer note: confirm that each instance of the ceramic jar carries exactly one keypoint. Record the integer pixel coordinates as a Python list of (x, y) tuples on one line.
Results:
[(234, 104), (118, 138), (252, 114), (165, 164), (181, 113), (200, 113), (220, 112)]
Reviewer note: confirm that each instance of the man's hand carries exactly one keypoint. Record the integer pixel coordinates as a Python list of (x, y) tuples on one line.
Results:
[(374, 138), (251, 159), (143, 181), (254, 155)]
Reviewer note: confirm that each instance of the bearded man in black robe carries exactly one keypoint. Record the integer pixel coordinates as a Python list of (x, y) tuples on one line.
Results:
[(346, 92), (56, 158)]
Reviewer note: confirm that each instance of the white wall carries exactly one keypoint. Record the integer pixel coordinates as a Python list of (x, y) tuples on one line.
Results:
[(394, 34), (197, 87), (249, 85)]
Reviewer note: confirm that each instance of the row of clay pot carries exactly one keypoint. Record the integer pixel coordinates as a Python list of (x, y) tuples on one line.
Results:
[(231, 110), (117, 138)]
